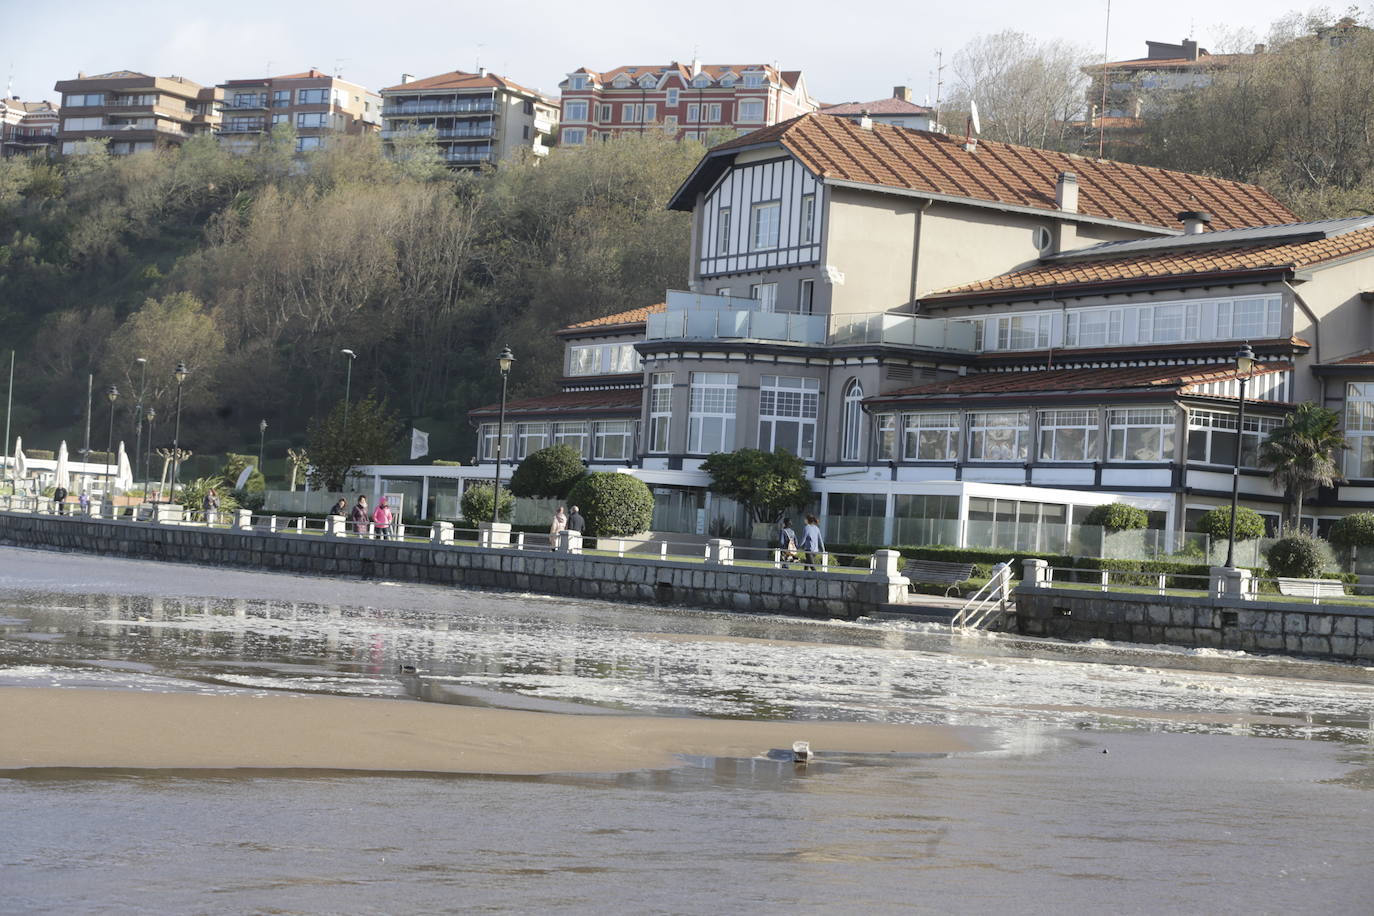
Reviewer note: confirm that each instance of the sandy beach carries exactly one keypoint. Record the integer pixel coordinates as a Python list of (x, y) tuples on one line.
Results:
[(123, 729)]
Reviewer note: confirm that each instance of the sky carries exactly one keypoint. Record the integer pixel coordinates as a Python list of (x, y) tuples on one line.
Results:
[(848, 51)]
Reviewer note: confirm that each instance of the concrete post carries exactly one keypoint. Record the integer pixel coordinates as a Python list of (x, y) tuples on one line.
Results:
[(1229, 582), (720, 552), (493, 534), (1035, 573), (272, 524), (569, 541), (885, 563), (334, 526), (443, 533), (244, 520)]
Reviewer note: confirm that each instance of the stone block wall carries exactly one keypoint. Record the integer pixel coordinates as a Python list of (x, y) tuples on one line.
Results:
[(641, 580)]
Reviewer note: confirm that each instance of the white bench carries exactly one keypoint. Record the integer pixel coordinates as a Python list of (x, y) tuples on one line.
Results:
[(1311, 588)]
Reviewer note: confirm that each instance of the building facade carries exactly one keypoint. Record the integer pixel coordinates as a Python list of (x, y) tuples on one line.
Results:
[(315, 104), (479, 118), (135, 112), (688, 100), (28, 128), (897, 111)]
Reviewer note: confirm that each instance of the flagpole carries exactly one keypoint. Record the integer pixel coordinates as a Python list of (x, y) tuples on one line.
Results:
[(9, 405)]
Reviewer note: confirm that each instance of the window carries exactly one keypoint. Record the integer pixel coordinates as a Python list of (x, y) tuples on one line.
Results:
[(603, 113), (1168, 323), (249, 100), (281, 98), (711, 413), (753, 80), (571, 433), (575, 111), (312, 119), (787, 414), (1093, 328), (574, 136), (611, 440), (670, 120), (308, 143), (998, 436), (584, 361), (723, 291), (1141, 434), (886, 444), (672, 98), (625, 358), (88, 100), (135, 101), (1359, 429), (1212, 438), (851, 442), (650, 112), (751, 110), (723, 231), (766, 294), (660, 410), (808, 218), (1068, 435), (763, 223), (713, 112), (312, 96), (1249, 319), (806, 297), (727, 81), (1014, 332), (629, 114), (701, 81), (530, 438), (578, 82), (83, 123), (489, 441), (930, 436), (647, 81), (281, 117), (693, 113)]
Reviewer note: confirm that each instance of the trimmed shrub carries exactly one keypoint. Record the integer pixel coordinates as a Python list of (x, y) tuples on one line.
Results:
[(252, 500), (1118, 517), (614, 505), (1300, 555), (476, 503), (1353, 531), (1216, 524), (42, 454), (549, 473)]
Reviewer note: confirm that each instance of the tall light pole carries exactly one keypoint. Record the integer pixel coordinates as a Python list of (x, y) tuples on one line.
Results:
[(262, 440), (113, 394), (9, 404), (1245, 362), (180, 375), (138, 413), (504, 361), (348, 385), (150, 416)]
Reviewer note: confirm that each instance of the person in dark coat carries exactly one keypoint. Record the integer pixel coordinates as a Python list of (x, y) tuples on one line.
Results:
[(340, 508), (360, 516), (575, 520)]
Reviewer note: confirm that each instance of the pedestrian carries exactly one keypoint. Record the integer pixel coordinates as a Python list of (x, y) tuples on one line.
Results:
[(381, 519), (575, 520), (59, 500), (340, 508), (560, 521), (787, 543), (85, 500), (359, 515), (812, 544), (209, 505)]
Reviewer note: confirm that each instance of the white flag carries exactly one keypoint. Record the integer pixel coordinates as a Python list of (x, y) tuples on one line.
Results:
[(973, 116), (419, 444)]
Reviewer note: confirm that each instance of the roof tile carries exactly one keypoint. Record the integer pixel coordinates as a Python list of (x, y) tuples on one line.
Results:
[(633, 316)]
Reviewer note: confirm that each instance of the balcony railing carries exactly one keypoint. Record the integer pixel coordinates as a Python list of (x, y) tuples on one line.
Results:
[(477, 131), (461, 154), (902, 331), (395, 109), (249, 104)]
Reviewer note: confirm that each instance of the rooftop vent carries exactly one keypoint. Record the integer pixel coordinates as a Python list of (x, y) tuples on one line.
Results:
[(864, 120), (1195, 221)]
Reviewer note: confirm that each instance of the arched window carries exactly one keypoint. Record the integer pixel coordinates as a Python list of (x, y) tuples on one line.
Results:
[(851, 447)]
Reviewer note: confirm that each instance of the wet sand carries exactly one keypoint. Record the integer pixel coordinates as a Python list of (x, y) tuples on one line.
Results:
[(45, 727)]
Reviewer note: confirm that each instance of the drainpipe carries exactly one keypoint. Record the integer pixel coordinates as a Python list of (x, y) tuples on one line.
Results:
[(916, 252), (1316, 325)]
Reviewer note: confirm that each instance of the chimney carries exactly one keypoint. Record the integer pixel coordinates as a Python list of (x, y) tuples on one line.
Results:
[(1066, 192), (1195, 221), (81, 74), (406, 77), (481, 71), (864, 120), (1190, 49), (1259, 49), (902, 92)]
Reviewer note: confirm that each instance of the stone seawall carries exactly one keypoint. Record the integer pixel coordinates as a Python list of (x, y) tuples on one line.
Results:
[(634, 579), (1336, 632)]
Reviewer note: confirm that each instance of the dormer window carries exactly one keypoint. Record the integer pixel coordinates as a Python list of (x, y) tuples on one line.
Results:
[(727, 81), (577, 81), (647, 81), (753, 80), (622, 82), (701, 82)]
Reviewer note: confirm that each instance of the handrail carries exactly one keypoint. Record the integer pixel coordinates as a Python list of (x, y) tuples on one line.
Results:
[(991, 597)]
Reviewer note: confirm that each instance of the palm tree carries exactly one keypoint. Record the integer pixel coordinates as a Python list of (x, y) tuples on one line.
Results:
[(1301, 454)]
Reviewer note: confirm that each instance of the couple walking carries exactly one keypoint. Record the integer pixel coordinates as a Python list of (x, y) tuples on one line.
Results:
[(573, 521), (380, 517), (812, 545)]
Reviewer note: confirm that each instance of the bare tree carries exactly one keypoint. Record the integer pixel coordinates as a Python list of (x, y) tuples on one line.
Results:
[(1027, 91)]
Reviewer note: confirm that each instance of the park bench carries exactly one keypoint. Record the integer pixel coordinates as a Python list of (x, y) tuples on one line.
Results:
[(1311, 588), (934, 572)]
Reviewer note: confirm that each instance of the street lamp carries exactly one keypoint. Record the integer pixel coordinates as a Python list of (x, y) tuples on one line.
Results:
[(138, 414), (113, 394), (262, 440), (348, 385), (180, 375), (504, 361), (1245, 364), (150, 416)]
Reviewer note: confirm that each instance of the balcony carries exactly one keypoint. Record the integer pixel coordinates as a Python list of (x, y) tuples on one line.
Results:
[(469, 154), (244, 104), (437, 106), (902, 331), (473, 131), (243, 126)]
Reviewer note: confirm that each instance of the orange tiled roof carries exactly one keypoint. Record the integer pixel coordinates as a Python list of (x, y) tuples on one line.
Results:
[(1115, 380), (890, 106), (459, 79), (1173, 263), (612, 401), (633, 316), (886, 156)]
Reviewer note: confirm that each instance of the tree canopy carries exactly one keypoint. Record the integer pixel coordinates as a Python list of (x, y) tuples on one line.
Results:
[(765, 483), (369, 435)]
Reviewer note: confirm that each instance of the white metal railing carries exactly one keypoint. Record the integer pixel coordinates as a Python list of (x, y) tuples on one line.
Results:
[(396, 109), (990, 599)]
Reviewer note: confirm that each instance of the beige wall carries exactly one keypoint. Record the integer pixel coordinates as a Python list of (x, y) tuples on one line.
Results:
[(870, 239)]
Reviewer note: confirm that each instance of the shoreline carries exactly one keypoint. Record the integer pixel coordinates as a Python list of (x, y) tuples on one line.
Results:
[(69, 728)]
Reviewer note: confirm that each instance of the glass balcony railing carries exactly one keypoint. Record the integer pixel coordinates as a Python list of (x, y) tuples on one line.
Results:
[(437, 106), (902, 331)]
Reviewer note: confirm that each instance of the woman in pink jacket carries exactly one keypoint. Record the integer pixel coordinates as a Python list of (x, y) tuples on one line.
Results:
[(381, 519)]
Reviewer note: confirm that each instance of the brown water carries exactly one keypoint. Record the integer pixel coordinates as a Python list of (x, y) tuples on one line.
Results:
[(1230, 783)]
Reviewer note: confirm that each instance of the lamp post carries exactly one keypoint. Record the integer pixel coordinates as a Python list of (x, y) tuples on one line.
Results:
[(113, 394), (504, 361), (1245, 363), (150, 416), (138, 414), (180, 375), (348, 385), (262, 440)]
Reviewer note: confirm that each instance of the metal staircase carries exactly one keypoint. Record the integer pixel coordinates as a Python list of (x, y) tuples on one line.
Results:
[(988, 601)]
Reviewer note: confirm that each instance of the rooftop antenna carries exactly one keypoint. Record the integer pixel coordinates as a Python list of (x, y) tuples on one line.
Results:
[(480, 46), (939, 82), (338, 65), (1102, 110), (269, 66)]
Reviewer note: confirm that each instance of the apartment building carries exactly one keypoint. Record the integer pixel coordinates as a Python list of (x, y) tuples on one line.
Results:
[(27, 128), (315, 104), (479, 118), (896, 111), (688, 100), (134, 111)]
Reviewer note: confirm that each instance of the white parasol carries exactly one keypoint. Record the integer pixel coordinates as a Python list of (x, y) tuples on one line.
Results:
[(21, 469), (124, 479)]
